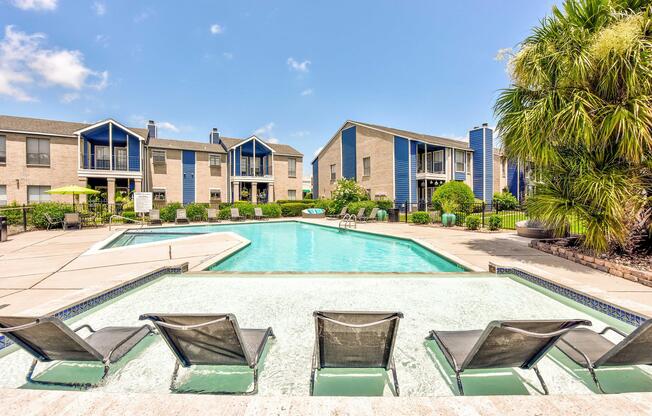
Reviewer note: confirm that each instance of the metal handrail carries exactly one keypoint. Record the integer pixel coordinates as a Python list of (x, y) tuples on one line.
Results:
[(124, 218), (348, 221)]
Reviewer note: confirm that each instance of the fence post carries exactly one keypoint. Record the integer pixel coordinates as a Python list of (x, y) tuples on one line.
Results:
[(483, 208), (406, 211), (24, 218)]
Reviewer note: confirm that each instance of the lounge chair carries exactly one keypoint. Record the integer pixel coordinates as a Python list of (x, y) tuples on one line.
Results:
[(181, 217), (235, 215), (212, 215), (258, 214), (340, 215), (360, 215), (72, 220), (355, 340), (592, 350), (49, 339), (155, 217), (210, 339), (503, 344), (370, 217), (52, 222)]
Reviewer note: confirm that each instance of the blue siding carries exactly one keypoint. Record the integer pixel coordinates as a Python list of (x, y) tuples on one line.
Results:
[(515, 180), (401, 170), (134, 154), (315, 179), (348, 153), (238, 159), (475, 141), (188, 160), (489, 161), (413, 172)]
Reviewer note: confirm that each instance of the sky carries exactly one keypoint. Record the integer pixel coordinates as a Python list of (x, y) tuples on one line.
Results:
[(288, 71)]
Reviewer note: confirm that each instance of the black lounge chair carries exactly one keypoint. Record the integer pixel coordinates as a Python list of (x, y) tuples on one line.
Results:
[(258, 214), (355, 340), (503, 344), (592, 350), (49, 339), (340, 215), (181, 217), (235, 215), (155, 217), (212, 215), (210, 339)]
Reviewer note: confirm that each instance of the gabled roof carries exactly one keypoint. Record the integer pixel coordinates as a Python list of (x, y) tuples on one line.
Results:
[(112, 121), (185, 145), (280, 149), (49, 127), (426, 138)]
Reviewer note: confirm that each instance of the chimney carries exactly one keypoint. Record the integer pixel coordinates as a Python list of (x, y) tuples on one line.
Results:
[(214, 138), (485, 124), (151, 129)]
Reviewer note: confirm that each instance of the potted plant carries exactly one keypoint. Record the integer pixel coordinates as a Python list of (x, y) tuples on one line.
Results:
[(447, 217)]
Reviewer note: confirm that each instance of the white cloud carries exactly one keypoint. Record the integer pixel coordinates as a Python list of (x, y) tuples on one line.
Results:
[(70, 97), (265, 133), (99, 8), (227, 55), (307, 92), (503, 53), (142, 16), (26, 62), (35, 4), (166, 125), (272, 141), (318, 150), (216, 29), (298, 66), (300, 133), (102, 40)]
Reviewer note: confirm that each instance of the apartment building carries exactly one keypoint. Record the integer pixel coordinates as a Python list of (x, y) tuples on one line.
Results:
[(37, 155), (407, 166)]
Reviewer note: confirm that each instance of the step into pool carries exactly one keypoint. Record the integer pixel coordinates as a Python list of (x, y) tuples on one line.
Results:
[(292, 246)]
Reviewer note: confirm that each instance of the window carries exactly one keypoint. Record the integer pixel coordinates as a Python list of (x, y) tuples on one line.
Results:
[(36, 194), (292, 168), (3, 149), (366, 166), (158, 194), (215, 195), (101, 157), (438, 161), (3, 195), (292, 194), (215, 160), (38, 152), (333, 173), (158, 157), (460, 161)]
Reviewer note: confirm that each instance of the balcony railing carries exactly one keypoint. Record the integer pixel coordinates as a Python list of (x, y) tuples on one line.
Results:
[(121, 162), (257, 173)]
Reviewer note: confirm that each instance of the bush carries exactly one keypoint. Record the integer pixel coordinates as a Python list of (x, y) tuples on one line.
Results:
[(472, 222), (326, 205), (14, 216), (385, 204), (454, 192), (347, 191), (196, 210), (477, 205), (271, 210), (225, 213), (292, 201), (307, 196), (495, 222), (354, 207), (245, 208), (129, 214), (504, 201), (420, 217), (169, 212), (55, 209), (293, 209)]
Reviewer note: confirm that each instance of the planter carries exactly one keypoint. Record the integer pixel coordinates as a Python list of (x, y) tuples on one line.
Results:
[(382, 215), (448, 220), (533, 229)]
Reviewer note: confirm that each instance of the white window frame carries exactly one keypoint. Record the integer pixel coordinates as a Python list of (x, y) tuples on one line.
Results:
[(42, 196), (3, 150), (455, 154), (366, 168), (154, 158), (435, 154), (108, 156), (159, 190), (214, 155), (39, 140), (292, 173), (333, 172), (294, 197), (210, 192), (3, 195)]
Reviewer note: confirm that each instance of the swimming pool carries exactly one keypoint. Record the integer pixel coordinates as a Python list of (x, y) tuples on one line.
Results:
[(291, 246)]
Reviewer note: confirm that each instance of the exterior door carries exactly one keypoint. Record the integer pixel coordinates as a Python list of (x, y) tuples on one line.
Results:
[(188, 159)]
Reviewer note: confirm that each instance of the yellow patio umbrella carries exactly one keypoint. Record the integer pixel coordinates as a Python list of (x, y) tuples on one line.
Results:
[(72, 190)]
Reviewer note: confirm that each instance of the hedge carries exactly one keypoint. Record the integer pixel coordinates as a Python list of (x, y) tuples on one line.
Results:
[(455, 192), (56, 210), (420, 217), (354, 207), (472, 222), (271, 210), (293, 201), (495, 222), (169, 212), (294, 209)]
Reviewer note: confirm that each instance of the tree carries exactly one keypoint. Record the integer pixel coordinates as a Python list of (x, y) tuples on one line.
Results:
[(580, 110), (453, 196), (347, 191)]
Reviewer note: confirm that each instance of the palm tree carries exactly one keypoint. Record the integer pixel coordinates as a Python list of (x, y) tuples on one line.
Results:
[(580, 110)]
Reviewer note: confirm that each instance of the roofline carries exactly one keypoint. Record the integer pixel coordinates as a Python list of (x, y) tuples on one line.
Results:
[(329, 141), (250, 139), (38, 133), (107, 121)]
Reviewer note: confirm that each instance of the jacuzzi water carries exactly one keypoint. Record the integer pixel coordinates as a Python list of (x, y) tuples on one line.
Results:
[(286, 303), (300, 247)]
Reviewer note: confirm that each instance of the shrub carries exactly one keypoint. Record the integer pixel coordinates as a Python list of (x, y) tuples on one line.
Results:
[(326, 205), (225, 213), (420, 217), (347, 191), (293, 209), (129, 214), (495, 222), (14, 216), (271, 210), (455, 192), (505, 201), (292, 201), (472, 222), (245, 208), (307, 196), (196, 210), (354, 207), (385, 204), (477, 205), (169, 212), (56, 210)]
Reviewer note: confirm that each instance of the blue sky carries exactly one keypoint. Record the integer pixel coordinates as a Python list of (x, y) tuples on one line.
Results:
[(291, 71)]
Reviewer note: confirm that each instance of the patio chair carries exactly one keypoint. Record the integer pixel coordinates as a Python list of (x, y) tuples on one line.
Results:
[(212, 215), (72, 220), (355, 340), (360, 215), (258, 214), (340, 215), (210, 339), (155, 217), (370, 217), (503, 344), (235, 215), (52, 222), (181, 217), (592, 350), (49, 339)]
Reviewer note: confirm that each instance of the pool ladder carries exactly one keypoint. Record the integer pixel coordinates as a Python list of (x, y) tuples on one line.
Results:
[(348, 221)]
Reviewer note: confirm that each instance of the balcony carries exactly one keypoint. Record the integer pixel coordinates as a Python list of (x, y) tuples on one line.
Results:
[(119, 166)]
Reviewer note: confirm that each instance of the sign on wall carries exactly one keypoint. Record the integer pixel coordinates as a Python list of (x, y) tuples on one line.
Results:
[(142, 202)]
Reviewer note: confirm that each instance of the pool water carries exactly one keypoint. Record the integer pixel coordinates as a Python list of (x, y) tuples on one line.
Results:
[(286, 302), (300, 247)]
